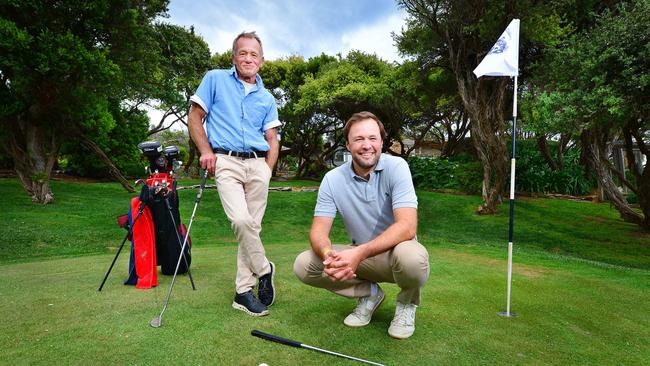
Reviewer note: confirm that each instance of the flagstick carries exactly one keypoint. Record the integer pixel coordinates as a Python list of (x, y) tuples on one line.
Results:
[(507, 313)]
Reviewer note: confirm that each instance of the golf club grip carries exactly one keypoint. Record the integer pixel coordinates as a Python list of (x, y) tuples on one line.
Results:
[(203, 180), (272, 338)]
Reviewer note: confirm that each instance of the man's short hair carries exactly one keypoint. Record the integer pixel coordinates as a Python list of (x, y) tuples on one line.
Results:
[(360, 116), (251, 35)]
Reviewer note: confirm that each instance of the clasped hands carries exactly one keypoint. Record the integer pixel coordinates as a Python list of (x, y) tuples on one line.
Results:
[(342, 266)]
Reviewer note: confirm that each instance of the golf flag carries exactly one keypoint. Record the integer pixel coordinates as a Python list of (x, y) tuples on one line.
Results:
[(503, 58)]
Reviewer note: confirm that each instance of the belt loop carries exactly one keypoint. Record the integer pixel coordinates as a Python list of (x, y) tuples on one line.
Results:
[(254, 153), (229, 152)]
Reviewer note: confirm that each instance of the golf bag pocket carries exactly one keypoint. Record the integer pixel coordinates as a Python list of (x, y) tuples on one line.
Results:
[(142, 262)]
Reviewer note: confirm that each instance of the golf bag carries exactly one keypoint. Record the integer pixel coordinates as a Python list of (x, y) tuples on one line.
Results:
[(157, 233)]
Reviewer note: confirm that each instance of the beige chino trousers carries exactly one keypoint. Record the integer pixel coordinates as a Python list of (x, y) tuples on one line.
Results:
[(243, 186), (406, 265)]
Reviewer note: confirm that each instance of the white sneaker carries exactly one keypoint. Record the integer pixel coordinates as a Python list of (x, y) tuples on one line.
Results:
[(366, 306), (403, 324)]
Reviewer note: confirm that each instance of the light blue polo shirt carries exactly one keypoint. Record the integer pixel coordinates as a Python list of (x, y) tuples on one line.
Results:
[(236, 120), (366, 206)]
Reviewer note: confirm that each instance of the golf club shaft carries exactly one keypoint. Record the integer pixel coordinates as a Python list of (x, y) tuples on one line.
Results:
[(187, 235), (292, 343), (339, 354), (178, 237)]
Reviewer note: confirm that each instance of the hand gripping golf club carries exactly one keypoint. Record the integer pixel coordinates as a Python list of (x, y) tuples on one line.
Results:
[(292, 343), (157, 321)]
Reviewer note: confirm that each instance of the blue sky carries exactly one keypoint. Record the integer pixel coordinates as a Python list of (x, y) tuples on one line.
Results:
[(290, 27)]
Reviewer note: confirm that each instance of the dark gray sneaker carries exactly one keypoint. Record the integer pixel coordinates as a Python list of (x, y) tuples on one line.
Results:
[(266, 287), (248, 303)]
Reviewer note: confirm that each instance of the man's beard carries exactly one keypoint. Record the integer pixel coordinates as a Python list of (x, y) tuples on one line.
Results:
[(364, 164)]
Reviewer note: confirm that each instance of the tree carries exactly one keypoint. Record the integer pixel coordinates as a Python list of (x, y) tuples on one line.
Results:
[(329, 97), (597, 86), (64, 65), (456, 35), (428, 100), (184, 59)]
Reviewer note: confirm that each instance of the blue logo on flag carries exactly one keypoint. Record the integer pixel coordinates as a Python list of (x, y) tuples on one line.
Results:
[(499, 47)]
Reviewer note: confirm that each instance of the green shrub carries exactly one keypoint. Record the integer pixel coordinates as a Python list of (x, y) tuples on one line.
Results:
[(469, 177), (533, 174), (431, 173), (428, 173)]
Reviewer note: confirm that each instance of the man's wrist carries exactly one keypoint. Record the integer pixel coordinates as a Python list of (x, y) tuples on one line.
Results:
[(327, 252), (366, 250)]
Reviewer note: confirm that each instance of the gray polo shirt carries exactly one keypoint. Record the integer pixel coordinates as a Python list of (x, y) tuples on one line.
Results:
[(366, 206)]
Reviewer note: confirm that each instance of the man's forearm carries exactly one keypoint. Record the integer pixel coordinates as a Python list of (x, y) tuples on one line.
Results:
[(319, 236), (322, 248), (274, 148)]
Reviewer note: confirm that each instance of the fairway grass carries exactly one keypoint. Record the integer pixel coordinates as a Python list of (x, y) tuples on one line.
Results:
[(570, 313), (581, 287)]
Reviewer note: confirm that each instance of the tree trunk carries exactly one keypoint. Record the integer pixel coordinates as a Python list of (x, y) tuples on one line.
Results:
[(594, 142), (641, 174), (484, 102), (546, 152), (112, 169), (455, 135), (34, 150)]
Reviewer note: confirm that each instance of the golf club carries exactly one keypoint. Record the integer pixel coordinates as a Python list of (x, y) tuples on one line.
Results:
[(187, 265), (157, 321), (292, 343)]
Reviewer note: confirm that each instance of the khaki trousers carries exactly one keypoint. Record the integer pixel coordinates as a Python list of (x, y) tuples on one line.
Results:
[(406, 265), (243, 186)]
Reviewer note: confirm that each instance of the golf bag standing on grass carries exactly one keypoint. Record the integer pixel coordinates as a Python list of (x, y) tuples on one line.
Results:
[(154, 224)]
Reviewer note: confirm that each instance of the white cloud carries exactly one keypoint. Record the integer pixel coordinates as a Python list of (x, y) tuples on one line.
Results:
[(376, 38)]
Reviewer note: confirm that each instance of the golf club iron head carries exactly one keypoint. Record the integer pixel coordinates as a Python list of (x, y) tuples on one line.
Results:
[(156, 322)]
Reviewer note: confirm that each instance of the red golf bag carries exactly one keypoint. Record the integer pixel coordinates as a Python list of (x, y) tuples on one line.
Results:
[(157, 233)]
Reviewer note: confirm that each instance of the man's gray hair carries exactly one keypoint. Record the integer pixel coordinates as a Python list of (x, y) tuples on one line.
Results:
[(251, 35)]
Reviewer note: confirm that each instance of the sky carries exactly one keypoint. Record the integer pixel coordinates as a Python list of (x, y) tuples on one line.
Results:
[(295, 27)]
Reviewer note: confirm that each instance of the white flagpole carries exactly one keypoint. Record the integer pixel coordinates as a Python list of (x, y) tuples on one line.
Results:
[(507, 313), (503, 60)]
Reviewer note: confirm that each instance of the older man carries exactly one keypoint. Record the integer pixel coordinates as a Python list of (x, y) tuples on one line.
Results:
[(241, 148)]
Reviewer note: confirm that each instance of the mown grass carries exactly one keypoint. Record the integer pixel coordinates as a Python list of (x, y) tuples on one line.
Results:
[(581, 287)]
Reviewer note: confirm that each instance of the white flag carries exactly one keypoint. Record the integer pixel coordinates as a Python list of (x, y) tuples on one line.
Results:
[(503, 58)]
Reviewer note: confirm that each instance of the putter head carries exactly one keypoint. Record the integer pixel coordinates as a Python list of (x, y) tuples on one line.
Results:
[(156, 322)]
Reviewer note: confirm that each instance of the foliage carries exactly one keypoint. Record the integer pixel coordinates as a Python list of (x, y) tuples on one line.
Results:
[(65, 67), (183, 59), (596, 86), (533, 174), (119, 143), (432, 173), (468, 176), (318, 95), (456, 35), (454, 174)]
